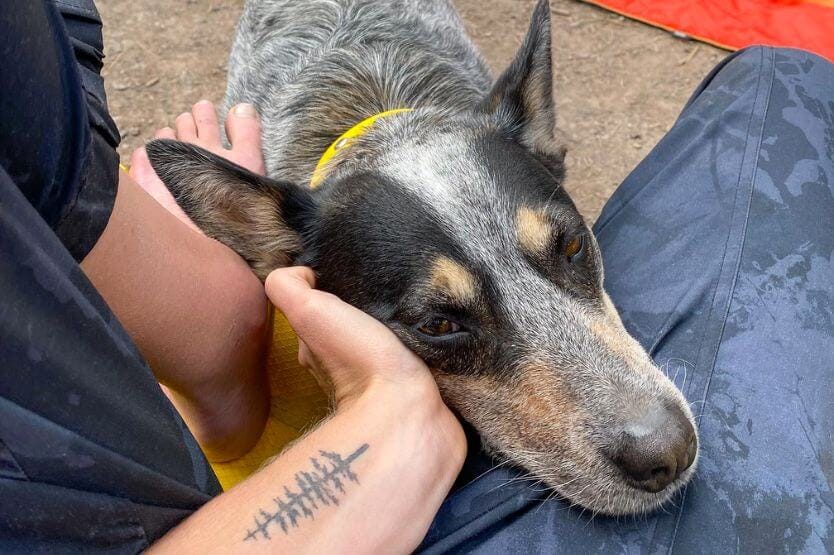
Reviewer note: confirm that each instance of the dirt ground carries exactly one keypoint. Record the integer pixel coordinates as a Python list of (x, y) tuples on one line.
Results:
[(619, 84)]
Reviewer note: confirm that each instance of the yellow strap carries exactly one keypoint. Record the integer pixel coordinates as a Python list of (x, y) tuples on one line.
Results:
[(344, 141)]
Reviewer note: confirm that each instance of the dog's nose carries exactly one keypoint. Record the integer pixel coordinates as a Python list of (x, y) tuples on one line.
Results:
[(657, 448)]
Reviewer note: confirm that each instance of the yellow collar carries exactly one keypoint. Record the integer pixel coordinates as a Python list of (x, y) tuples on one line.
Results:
[(344, 141)]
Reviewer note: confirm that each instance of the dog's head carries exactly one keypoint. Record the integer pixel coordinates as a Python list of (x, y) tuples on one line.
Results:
[(456, 232)]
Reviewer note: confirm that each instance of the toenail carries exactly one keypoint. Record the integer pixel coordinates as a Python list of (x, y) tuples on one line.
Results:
[(245, 110), (204, 102)]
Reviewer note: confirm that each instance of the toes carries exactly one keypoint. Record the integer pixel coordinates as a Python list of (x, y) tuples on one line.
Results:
[(244, 128), (244, 131), (165, 133), (186, 127), (208, 129)]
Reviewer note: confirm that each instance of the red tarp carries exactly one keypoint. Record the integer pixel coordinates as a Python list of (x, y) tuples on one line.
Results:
[(732, 24)]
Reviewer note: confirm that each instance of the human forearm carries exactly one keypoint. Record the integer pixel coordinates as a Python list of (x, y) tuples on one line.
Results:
[(400, 452)]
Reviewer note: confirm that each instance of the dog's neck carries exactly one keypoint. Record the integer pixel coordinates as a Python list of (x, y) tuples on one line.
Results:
[(318, 68)]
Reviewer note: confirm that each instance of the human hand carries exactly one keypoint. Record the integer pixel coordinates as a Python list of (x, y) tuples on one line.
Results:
[(346, 349), (391, 434)]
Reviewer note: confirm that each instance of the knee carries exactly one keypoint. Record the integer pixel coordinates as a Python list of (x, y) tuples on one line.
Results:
[(793, 61), (796, 55)]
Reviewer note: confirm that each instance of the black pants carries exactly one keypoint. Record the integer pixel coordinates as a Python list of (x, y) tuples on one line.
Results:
[(719, 253), (92, 454)]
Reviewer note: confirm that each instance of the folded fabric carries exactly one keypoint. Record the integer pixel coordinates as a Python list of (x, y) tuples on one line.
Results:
[(734, 24)]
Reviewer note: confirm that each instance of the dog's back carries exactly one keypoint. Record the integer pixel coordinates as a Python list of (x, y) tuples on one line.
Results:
[(314, 68)]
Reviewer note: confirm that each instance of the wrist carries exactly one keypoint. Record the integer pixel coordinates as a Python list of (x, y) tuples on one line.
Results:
[(416, 448), (415, 413)]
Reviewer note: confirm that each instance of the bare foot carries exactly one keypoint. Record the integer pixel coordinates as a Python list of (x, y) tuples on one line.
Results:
[(201, 127), (225, 408)]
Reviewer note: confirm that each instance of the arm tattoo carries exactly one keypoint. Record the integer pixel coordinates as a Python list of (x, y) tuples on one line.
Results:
[(321, 485)]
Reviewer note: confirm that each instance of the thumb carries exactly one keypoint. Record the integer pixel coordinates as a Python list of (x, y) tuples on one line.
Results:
[(344, 342)]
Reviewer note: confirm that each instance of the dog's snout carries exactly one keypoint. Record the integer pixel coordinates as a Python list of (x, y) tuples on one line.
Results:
[(656, 448)]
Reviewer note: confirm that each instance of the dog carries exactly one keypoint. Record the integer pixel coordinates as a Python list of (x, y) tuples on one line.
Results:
[(443, 214)]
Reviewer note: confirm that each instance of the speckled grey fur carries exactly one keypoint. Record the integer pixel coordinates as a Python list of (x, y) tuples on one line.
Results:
[(315, 68)]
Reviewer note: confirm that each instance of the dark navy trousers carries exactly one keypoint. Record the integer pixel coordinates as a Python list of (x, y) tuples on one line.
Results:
[(718, 253)]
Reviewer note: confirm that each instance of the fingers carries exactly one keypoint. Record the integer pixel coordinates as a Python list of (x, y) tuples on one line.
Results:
[(243, 127), (288, 288), (208, 128), (343, 346)]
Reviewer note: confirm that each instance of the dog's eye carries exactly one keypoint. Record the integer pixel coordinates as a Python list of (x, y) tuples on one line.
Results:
[(574, 246), (438, 327)]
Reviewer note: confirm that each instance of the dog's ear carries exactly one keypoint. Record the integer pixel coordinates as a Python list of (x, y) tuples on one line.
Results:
[(521, 101), (259, 218)]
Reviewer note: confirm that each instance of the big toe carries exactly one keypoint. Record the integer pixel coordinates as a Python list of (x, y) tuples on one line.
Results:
[(243, 127)]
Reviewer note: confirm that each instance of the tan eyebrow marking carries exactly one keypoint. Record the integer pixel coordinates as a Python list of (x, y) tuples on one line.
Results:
[(453, 279), (533, 230)]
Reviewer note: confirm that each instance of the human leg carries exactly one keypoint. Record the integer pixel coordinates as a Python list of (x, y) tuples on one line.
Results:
[(92, 454), (57, 142), (718, 253)]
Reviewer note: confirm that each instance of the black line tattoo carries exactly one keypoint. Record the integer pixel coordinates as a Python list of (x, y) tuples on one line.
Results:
[(319, 485)]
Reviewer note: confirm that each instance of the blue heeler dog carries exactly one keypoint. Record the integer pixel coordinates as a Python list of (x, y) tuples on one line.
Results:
[(447, 220)]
